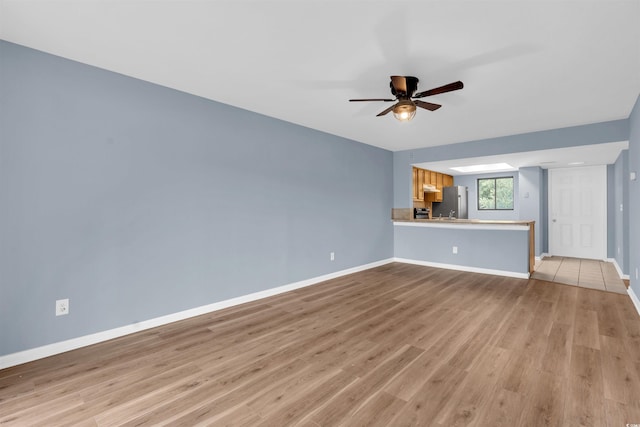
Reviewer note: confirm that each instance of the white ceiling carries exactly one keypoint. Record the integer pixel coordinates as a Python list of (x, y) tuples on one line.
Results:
[(585, 155), (526, 65)]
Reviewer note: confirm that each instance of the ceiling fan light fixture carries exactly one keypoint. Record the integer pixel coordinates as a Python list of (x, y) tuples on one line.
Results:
[(404, 110), (404, 88)]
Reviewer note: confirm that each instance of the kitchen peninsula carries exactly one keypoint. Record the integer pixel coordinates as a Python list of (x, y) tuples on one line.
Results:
[(484, 246)]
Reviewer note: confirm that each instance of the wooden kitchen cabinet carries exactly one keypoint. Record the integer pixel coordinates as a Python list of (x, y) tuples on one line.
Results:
[(436, 179), (421, 184), (435, 197), (439, 180), (439, 187), (418, 184), (433, 177)]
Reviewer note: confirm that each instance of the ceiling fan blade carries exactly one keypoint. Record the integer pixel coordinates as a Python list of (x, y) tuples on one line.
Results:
[(399, 83), (386, 111), (372, 99), (427, 105), (442, 89)]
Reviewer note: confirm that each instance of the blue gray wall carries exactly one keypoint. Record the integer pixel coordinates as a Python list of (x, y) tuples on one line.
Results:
[(531, 194), (620, 212), (634, 198), (545, 211), (611, 218), (136, 201), (476, 247)]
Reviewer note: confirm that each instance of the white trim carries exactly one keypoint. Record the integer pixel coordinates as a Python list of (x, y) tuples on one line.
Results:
[(464, 268), (463, 225), (74, 343), (634, 299), (544, 255), (618, 269)]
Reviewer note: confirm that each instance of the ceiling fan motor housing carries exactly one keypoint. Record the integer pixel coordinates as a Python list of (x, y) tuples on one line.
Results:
[(410, 86)]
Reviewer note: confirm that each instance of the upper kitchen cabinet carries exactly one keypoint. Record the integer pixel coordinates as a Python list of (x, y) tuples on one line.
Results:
[(418, 184), (436, 195), (428, 185)]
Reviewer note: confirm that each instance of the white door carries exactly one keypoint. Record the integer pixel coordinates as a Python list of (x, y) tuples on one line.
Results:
[(578, 212)]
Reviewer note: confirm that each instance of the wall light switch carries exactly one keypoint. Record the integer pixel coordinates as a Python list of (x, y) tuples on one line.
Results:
[(455, 249), (632, 176)]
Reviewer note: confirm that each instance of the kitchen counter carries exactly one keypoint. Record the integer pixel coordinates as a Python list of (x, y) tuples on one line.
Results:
[(485, 246), (464, 221), (406, 215)]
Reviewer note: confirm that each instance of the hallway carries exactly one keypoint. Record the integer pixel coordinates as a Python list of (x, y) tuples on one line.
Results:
[(584, 273)]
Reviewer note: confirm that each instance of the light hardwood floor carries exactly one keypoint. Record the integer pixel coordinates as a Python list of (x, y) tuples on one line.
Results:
[(396, 345)]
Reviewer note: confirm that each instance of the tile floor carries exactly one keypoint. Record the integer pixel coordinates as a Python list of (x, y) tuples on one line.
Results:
[(585, 273)]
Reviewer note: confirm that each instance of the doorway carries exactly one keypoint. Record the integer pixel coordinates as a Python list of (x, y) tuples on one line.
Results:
[(578, 212)]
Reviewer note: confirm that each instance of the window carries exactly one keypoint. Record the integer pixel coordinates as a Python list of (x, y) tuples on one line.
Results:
[(495, 193)]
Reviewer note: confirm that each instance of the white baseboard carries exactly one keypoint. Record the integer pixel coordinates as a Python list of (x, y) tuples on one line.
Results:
[(618, 269), (634, 299), (72, 344), (464, 268)]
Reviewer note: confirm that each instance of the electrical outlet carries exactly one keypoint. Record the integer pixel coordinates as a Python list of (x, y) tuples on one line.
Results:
[(455, 249), (62, 307), (332, 256)]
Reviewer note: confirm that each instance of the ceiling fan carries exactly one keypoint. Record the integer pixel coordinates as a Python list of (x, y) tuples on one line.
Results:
[(403, 88)]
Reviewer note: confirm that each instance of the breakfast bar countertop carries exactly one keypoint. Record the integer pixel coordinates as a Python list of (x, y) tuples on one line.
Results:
[(404, 216), (470, 236), (465, 221)]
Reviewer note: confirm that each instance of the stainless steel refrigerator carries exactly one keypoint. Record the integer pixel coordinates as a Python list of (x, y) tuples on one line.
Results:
[(453, 199)]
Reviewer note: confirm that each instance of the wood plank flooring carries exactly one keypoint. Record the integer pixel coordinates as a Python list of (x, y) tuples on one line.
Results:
[(398, 345)]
